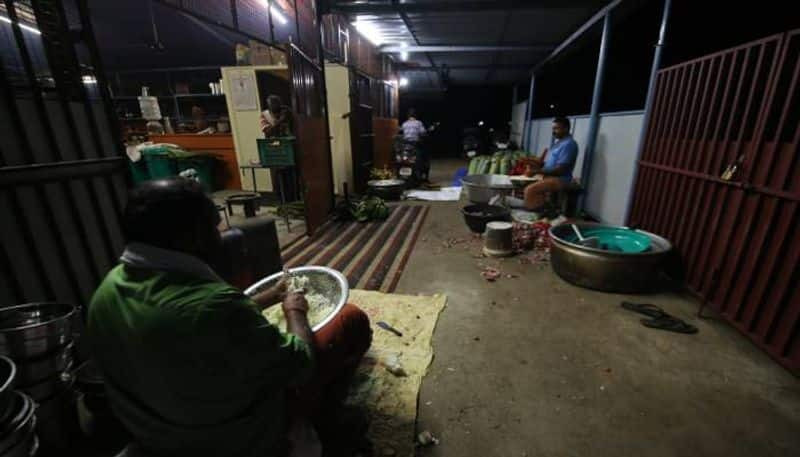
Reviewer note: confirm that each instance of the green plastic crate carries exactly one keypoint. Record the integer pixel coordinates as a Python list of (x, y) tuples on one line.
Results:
[(203, 165), (276, 152)]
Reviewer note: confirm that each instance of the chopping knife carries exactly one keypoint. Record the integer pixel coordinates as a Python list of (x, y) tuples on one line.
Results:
[(389, 328)]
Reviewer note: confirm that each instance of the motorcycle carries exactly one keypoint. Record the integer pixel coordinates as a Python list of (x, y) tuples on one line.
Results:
[(408, 168)]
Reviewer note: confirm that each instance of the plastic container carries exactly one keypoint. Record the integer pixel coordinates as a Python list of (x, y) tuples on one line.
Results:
[(203, 165), (276, 152), (139, 171), (160, 165)]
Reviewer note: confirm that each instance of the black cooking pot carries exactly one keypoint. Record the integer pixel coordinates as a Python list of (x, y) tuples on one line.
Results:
[(478, 215)]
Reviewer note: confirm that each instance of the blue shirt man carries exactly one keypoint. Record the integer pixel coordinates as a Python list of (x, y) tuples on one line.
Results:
[(562, 156), (556, 169)]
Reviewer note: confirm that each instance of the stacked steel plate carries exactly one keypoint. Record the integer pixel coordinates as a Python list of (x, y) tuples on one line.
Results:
[(17, 419), (38, 338)]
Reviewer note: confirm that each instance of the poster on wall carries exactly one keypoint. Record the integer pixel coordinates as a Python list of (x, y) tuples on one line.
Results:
[(244, 91)]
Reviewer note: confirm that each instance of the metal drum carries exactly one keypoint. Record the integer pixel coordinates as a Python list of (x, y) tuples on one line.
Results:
[(606, 270)]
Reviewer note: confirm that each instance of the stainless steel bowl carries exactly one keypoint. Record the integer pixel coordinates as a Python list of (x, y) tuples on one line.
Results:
[(387, 189), (604, 270), (337, 285), (8, 376), (35, 329), (33, 371), (481, 188), (21, 424)]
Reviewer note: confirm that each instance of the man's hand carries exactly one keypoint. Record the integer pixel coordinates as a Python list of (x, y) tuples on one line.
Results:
[(295, 308), (295, 302), (273, 295)]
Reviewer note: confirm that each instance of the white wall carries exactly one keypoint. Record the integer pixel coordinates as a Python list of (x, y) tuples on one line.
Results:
[(613, 163), (517, 119), (337, 80), (612, 166)]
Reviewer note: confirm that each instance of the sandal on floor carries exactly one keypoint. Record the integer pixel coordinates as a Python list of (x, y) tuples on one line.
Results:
[(670, 324), (645, 308)]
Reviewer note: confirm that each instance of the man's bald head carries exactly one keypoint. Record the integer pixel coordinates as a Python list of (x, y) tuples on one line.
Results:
[(172, 214)]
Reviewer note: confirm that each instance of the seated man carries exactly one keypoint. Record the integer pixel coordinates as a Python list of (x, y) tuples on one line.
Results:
[(556, 169), (191, 366)]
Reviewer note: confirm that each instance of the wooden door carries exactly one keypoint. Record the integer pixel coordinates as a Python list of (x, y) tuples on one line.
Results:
[(313, 145), (361, 133)]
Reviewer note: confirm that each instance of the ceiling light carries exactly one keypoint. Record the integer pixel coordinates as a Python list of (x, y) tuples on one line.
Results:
[(480, 123), (369, 30), (276, 13), (22, 26), (88, 79), (403, 82), (404, 54)]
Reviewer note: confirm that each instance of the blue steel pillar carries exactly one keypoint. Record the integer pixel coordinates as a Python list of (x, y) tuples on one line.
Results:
[(526, 129), (594, 116), (648, 104)]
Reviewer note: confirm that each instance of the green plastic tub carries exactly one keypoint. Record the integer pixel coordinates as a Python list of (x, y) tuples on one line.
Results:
[(139, 171), (159, 164), (276, 152), (616, 239)]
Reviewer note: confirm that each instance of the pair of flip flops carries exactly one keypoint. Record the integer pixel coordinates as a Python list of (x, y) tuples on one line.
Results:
[(659, 319)]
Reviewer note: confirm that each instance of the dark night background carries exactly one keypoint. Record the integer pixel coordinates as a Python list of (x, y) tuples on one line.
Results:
[(696, 28)]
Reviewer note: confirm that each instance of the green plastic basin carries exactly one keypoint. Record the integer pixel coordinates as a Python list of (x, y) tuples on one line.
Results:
[(616, 239)]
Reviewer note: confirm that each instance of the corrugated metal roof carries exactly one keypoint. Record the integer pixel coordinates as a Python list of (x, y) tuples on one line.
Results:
[(461, 23)]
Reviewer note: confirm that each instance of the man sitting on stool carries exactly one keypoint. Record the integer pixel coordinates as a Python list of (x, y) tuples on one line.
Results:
[(556, 169)]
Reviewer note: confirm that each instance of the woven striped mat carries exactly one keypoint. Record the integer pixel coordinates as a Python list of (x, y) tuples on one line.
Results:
[(371, 255)]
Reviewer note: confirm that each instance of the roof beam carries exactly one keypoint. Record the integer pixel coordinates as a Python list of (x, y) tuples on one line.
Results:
[(466, 48), (466, 67), (407, 22), (462, 6), (600, 15)]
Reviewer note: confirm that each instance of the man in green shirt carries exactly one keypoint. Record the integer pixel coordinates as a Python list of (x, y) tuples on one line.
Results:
[(191, 366)]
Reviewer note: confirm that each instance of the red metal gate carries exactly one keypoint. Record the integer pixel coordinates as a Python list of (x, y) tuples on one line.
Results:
[(739, 110)]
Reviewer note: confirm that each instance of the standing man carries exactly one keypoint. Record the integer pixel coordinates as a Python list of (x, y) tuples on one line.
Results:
[(413, 131), (191, 366), (556, 169), (275, 120)]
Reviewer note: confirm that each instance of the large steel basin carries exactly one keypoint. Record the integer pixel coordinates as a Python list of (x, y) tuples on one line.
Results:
[(608, 271), (481, 188)]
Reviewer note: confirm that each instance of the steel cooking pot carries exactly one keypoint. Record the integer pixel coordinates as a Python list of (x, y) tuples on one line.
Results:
[(35, 329), (33, 371)]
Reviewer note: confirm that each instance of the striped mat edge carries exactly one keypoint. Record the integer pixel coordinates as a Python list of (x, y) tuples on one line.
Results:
[(371, 255)]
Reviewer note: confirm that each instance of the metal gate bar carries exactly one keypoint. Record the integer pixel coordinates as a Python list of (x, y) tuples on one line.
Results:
[(62, 192), (737, 237)]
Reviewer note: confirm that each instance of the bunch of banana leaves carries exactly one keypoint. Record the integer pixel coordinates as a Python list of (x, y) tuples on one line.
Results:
[(364, 210), (370, 209)]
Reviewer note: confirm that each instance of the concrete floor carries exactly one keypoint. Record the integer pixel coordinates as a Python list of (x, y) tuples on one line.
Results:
[(534, 366), (286, 234)]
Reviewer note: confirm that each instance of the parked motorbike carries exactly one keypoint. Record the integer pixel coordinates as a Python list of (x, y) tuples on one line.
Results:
[(408, 168)]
